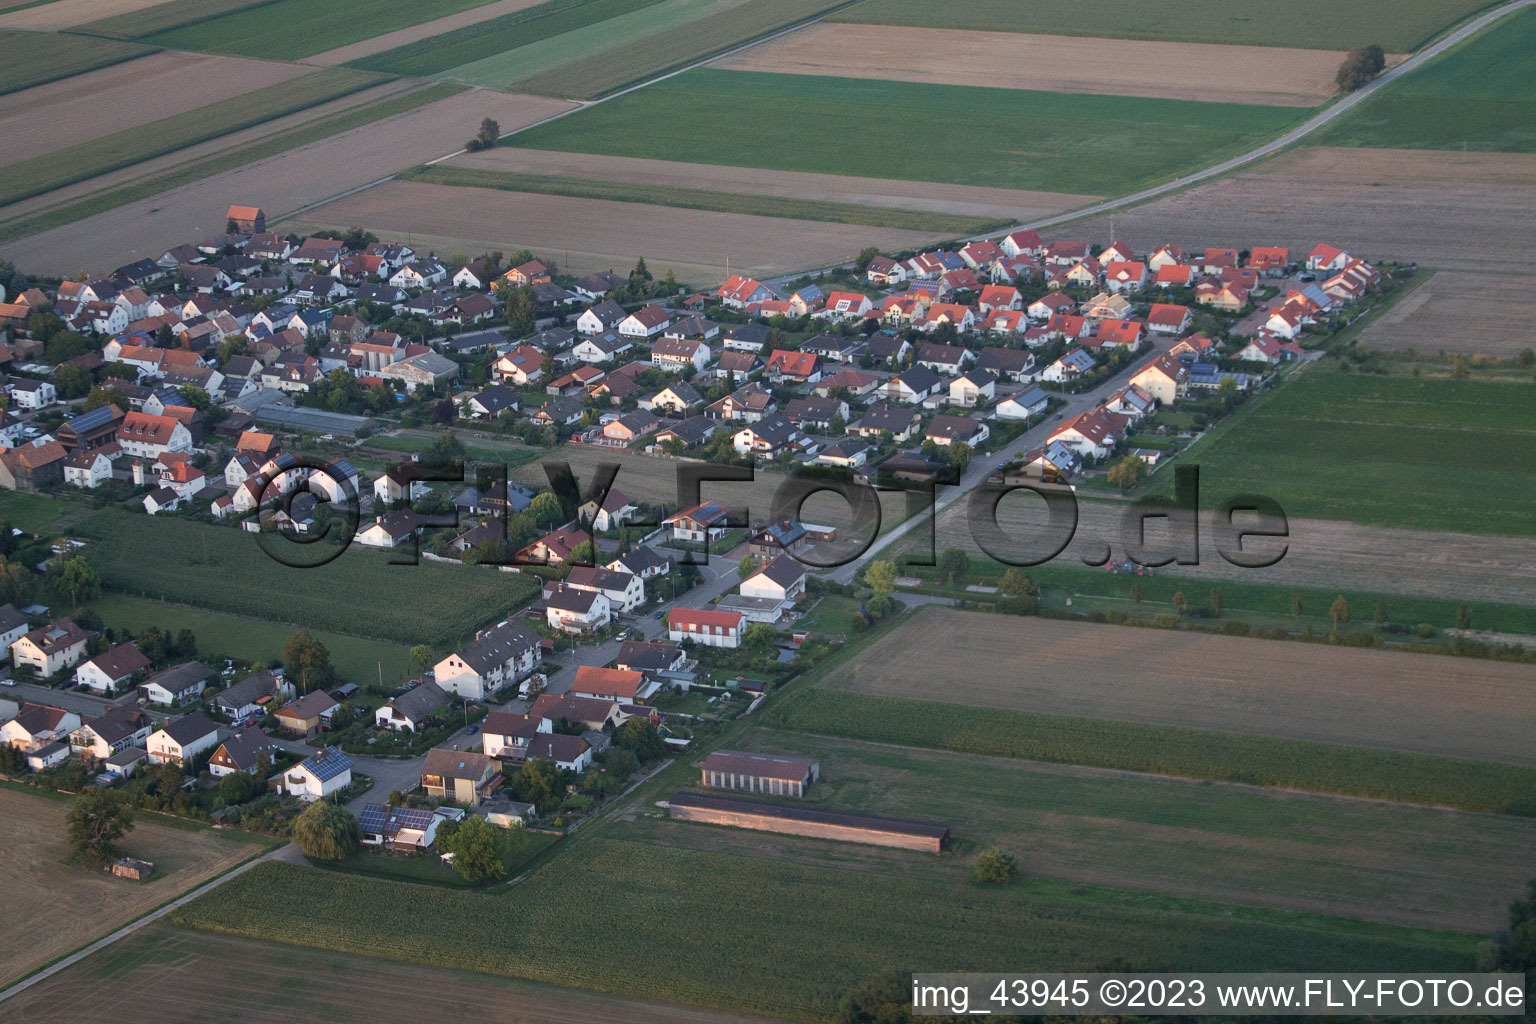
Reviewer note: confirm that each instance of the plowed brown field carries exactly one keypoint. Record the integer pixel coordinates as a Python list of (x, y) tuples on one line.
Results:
[(1481, 314), (69, 13)]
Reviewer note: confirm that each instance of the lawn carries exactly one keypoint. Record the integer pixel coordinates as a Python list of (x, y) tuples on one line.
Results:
[(615, 904), (224, 569), (1481, 96), (163, 17), (220, 634), (793, 208), (1310, 24), (291, 29), (34, 512), (832, 614), (1161, 749), (971, 135), (32, 58), (1390, 451), (132, 145)]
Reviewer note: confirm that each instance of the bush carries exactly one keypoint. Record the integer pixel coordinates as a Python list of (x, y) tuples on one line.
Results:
[(1361, 64), (1425, 630), (995, 867), (1166, 620), (1235, 629)]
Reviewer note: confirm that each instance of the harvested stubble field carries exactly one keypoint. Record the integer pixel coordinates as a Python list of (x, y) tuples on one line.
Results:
[(1018, 60), (278, 179), (35, 58), (1361, 859), (830, 929), (471, 19), (167, 973), (1312, 23), (970, 134), (1455, 312), (596, 234), (1481, 710), (293, 29), (80, 903), (63, 114), (971, 200)]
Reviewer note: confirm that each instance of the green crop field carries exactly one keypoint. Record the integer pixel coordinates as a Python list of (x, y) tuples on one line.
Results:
[(164, 17), (143, 142), (1480, 96), (33, 512), (356, 659), (974, 136), (291, 29), (1390, 451), (226, 570), (33, 58), (1163, 750), (1310, 24), (828, 929), (709, 199)]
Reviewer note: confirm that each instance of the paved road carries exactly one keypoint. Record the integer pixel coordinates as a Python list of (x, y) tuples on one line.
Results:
[(83, 704)]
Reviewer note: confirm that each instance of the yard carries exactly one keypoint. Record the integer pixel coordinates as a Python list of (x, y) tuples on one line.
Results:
[(55, 905)]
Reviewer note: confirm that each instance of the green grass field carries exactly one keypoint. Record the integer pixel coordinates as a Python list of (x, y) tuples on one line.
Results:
[(974, 136), (1309, 24), (709, 199), (1479, 96), (34, 58), (356, 659), (1390, 451), (164, 17), (291, 29), (828, 929), (360, 593), (143, 142), (1163, 750), (33, 512)]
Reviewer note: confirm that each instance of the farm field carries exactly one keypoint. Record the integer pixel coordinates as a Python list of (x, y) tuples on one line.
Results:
[(33, 58), (293, 29), (34, 512), (1307, 23), (166, 973), (1458, 313), (64, 14), (841, 126), (356, 659), (226, 570), (970, 200), (1484, 710), (830, 928), (586, 235), (1019, 60), (331, 159), (160, 17), (1392, 166), (707, 199), (40, 174), (1360, 859), (81, 902), (1478, 96), (64, 114), (475, 16)]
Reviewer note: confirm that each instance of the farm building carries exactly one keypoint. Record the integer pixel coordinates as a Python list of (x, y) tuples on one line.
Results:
[(758, 773), (127, 867), (808, 821)]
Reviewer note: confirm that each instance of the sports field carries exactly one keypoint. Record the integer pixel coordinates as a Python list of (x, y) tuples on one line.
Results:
[(1480, 96), (292, 29), (1000, 137), (33, 58), (1309, 23)]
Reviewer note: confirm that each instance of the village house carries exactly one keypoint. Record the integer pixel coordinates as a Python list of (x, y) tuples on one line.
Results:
[(1164, 378), (37, 726), (318, 776), (576, 610), (112, 669), (306, 715), (181, 741), (974, 387), (498, 657), (180, 684), (242, 752), (1069, 367), (115, 730), (463, 776), (625, 591), (1094, 433), (704, 523), (257, 692), (946, 430), (613, 511), (781, 579), (706, 627), (51, 649), (612, 684), (410, 711)]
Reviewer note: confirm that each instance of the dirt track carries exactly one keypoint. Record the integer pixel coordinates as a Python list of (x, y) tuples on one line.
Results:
[(427, 29), (1456, 312), (59, 114), (1481, 710), (595, 234), (911, 195), (69, 13), (1182, 71), (279, 184)]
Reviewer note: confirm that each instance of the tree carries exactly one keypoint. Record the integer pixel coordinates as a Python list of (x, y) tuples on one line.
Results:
[(78, 580), (546, 509), (489, 133), (1179, 603), (1136, 592), (96, 821), (760, 637), (746, 567), (639, 737), (1216, 602), (479, 850), (995, 867), (538, 780), (71, 381), (104, 395), (238, 787), (881, 576), (444, 451), (1227, 390), (1514, 950), (521, 314), (326, 831), (1017, 583), (1338, 612), (867, 256), (1463, 617), (1361, 64), (421, 657), (1296, 605), (1127, 472), (640, 275), (1381, 613), (1459, 367), (307, 656), (952, 564)]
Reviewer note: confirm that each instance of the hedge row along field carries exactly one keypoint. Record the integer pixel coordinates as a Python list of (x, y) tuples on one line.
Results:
[(36, 58), (1163, 750), (226, 570), (133, 145), (708, 199), (716, 914)]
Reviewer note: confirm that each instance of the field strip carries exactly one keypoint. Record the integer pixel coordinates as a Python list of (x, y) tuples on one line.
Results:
[(69, 13), (1393, 166), (61, 114), (1082, 64), (974, 200), (1456, 312), (415, 33), (701, 199)]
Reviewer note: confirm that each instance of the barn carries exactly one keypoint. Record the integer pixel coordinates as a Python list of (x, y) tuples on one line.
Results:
[(758, 773), (807, 821)]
